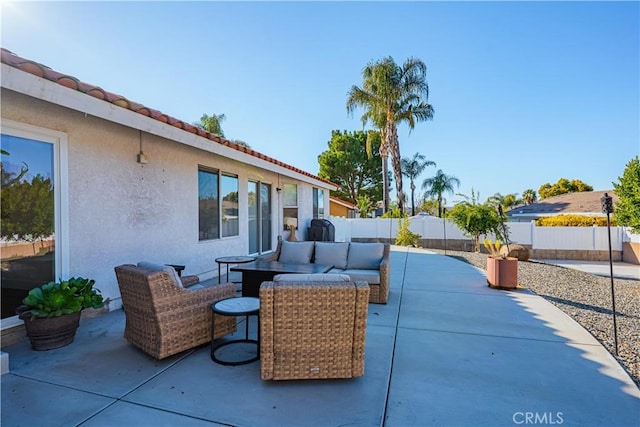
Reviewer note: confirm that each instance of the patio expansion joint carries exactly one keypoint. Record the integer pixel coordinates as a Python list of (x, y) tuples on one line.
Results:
[(560, 340), (395, 339)]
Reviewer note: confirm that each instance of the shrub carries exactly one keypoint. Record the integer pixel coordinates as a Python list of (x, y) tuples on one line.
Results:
[(573, 221), (406, 237)]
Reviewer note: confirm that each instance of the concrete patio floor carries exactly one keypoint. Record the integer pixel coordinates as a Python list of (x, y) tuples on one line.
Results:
[(446, 351)]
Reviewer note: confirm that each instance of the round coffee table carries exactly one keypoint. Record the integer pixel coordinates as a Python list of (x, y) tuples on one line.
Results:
[(240, 259), (240, 306)]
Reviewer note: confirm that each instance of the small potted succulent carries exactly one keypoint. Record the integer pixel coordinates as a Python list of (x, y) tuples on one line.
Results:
[(51, 312), (502, 271)]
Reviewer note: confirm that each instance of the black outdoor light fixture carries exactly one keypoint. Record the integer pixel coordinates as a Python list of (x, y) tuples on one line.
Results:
[(607, 207)]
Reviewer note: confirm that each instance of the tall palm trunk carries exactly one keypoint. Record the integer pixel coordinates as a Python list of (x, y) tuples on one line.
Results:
[(385, 181), (384, 154), (394, 148), (413, 201)]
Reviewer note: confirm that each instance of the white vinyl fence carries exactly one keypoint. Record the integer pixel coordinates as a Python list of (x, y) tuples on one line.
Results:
[(430, 228)]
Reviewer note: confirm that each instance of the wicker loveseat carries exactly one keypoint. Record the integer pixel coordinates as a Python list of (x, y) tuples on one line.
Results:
[(360, 261), (312, 329), (163, 317)]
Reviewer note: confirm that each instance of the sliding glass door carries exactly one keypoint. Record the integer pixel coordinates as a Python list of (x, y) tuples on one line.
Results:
[(260, 222)]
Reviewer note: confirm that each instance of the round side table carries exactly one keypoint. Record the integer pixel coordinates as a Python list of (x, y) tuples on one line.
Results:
[(240, 306), (241, 259)]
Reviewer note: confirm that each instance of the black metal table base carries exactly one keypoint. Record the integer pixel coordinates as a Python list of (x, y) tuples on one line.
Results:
[(235, 362), (236, 307)]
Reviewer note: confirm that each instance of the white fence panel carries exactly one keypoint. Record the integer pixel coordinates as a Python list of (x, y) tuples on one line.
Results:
[(521, 232), (574, 238), (564, 238)]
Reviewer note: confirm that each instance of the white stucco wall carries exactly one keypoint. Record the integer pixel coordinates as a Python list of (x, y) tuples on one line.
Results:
[(121, 211)]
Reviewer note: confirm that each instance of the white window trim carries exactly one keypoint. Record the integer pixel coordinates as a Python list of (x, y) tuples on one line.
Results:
[(59, 140)]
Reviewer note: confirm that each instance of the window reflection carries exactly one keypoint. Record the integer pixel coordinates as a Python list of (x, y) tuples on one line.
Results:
[(27, 235)]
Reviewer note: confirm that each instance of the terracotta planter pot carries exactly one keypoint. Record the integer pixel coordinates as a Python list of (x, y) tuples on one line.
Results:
[(502, 272), (50, 333)]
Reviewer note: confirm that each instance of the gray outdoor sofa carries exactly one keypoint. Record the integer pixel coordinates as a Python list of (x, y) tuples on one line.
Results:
[(360, 261)]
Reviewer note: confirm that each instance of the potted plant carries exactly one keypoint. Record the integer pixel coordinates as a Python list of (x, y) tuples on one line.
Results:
[(51, 312), (502, 271)]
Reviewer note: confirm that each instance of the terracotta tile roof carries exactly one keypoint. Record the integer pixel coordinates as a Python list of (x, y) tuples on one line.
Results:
[(342, 202), (585, 202), (39, 70)]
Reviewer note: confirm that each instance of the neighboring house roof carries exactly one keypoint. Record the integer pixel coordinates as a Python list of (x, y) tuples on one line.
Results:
[(580, 203), (344, 203), (39, 70)]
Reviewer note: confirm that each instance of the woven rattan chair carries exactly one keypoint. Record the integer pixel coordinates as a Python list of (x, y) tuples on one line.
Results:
[(163, 318), (312, 330)]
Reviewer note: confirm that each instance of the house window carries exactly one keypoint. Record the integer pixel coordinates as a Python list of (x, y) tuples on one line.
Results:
[(229, 206), (216, 219), (34, 222), (318, 203), (290, 205)]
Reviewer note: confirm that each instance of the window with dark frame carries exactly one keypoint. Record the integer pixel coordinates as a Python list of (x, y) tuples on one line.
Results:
[(217, 204)]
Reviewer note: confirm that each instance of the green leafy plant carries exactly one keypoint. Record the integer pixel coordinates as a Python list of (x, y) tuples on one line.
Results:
[(406, 237), (64, 297)]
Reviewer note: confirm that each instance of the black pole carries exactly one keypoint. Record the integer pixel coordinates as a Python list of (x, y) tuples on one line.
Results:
[(607, 207), (444, 228)]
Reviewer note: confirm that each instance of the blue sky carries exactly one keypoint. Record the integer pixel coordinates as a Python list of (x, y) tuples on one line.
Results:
[(524, 93)]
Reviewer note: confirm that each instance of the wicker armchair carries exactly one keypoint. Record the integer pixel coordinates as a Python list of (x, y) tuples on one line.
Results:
[(163, 318), (312, 330)]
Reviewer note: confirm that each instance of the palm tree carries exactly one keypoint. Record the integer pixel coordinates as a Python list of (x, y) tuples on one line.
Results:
[(212, 123), (391, 95), (529, 196), (439, 184), (412, 168), (507, 202)]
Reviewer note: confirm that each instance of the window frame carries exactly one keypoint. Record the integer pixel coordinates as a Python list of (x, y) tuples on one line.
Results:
[(220, 175)]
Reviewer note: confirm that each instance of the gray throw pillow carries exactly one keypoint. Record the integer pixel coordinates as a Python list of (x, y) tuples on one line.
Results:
[(332, 253), (296, 252), (365, 256), (159, 267)]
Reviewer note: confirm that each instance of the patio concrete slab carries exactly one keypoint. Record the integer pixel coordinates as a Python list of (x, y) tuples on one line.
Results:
[(468, 380), (446, 350), (28, 402)]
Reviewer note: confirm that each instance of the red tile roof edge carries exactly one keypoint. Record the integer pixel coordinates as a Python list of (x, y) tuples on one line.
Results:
[(11, 59), (343, 202)]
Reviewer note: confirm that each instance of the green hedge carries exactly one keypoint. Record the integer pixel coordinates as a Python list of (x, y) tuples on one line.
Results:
[(574, 221)]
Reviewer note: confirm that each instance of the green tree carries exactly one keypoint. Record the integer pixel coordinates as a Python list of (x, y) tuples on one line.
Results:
[(563, 186), (529, 196), (212, 123), (439, 184), (507, 202), (477, 220), (412, 168), (430, 206), (391, 95), (627, 209), (347, 164)]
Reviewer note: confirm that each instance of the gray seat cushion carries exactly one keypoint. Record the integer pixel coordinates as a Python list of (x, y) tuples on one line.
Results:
[(332, 253), (372, 277), (296, 252), (320, 277), (365, 256)]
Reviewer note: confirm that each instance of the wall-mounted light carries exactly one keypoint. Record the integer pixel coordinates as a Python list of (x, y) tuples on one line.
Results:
[(141, 157), (278, 189)]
